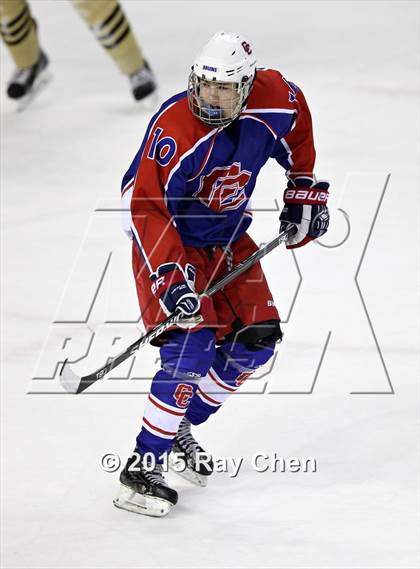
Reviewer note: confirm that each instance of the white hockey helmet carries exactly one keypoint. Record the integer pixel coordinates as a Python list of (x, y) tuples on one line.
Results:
[(227, 62)]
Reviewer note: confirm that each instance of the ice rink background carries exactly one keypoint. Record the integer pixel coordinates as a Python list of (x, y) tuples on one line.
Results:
[(62, 160)]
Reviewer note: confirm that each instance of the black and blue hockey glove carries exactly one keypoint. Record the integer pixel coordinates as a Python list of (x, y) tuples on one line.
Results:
[(305, 206), (174, 287)]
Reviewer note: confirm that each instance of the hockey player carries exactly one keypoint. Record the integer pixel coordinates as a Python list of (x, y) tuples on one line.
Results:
[(187, 190), (106, 18)]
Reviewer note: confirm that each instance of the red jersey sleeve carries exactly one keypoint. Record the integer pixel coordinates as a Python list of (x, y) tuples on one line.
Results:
[(152, 225), (300, 140), (285, 109), (160, 173)]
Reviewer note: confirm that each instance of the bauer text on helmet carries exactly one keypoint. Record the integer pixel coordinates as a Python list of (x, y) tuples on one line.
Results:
[(221, 78)]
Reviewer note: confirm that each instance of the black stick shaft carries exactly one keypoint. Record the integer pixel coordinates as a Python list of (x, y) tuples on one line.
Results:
[(88, 380)]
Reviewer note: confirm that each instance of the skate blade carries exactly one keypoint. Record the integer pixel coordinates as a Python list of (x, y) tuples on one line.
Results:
[(39, 85), (131, 501), (178, 466), (150, 102)]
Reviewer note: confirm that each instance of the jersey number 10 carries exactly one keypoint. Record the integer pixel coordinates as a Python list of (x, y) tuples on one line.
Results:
[(162, 149)]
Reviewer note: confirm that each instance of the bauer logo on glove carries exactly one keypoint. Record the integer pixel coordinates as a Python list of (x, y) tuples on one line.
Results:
[(305, 206)]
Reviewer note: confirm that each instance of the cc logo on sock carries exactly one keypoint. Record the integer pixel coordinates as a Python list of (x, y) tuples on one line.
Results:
[(183, 394)]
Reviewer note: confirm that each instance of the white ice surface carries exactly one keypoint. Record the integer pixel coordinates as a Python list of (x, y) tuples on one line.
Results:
[(357, 64)]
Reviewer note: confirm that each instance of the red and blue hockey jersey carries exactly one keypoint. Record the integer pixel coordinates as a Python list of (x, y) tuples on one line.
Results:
[(190, 183)]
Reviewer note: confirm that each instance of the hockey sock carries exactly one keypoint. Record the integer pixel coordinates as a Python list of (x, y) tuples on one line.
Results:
[(233, 364), (185, 359), (111, 28), (18, 32)]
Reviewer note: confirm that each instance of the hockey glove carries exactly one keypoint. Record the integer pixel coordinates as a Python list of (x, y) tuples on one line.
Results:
[(305, 206), (174, 287)]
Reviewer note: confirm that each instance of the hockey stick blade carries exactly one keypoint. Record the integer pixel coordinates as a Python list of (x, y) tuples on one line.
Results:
[(73, 383), (68, 379)]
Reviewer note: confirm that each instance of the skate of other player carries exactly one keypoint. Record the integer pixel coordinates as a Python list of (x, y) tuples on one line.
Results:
[(107, 21)]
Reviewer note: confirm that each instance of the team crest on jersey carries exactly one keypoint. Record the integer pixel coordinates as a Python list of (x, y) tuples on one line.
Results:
[(224, 188)]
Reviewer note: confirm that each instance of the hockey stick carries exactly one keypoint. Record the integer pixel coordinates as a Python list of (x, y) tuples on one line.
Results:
[(74, 383)]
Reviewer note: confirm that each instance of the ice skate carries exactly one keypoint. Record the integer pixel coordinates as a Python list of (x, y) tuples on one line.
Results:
[(144, 490), (188, 459), (142, 82), (26, 83)]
